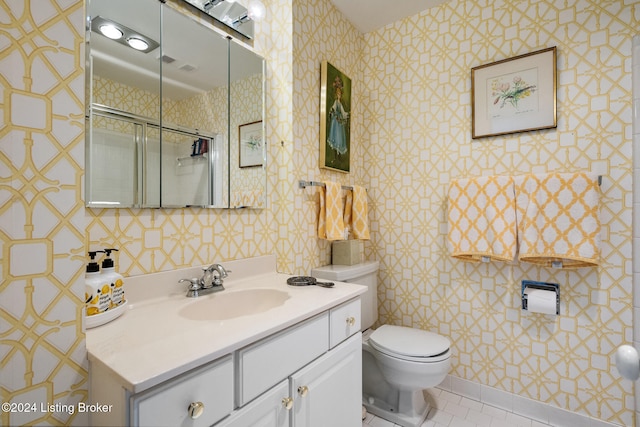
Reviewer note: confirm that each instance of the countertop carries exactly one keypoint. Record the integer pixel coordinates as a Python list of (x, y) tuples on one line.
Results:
[(151, 342)]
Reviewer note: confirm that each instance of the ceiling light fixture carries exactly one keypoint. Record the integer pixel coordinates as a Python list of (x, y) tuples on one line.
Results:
[(111, 31), (137, 43), (123, 35)]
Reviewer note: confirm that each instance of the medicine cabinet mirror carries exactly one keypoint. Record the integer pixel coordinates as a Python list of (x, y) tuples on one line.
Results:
[(161, 120)]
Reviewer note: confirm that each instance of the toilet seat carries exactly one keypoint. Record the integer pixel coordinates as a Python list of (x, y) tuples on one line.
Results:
[(410, 344)]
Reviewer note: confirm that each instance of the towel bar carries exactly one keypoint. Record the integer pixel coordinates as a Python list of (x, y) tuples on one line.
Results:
[(305, 184)]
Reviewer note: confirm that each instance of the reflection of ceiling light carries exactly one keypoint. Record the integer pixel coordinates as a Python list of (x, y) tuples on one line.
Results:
[(122, 34), (111, 31), (137, 43)]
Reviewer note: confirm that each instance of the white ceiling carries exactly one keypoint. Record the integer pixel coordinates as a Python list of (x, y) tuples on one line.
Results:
[(369, 15)]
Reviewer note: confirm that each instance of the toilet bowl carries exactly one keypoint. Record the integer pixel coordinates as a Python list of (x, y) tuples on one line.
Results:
[(398, 362)]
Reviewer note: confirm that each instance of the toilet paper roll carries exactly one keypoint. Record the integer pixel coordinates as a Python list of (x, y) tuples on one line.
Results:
[(540, 301)]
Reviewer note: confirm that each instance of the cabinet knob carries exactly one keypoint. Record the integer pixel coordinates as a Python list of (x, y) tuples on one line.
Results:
[(287, 402), (196, 409), (351, 321), (303, 390)]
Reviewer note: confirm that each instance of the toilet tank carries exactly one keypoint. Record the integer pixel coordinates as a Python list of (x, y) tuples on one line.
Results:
[(366, 274)]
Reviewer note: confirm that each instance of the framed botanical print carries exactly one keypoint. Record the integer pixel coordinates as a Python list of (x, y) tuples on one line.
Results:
[(514, 95), (335, 118), (251, 142)]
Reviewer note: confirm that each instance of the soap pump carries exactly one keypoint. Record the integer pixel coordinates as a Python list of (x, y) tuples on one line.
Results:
[(97, 294), (113, 279)]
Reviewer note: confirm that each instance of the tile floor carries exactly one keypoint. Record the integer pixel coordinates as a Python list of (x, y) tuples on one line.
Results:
[(452, 410)]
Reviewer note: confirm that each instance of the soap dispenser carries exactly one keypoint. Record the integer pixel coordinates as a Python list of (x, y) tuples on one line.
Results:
[(97, 291), (113, 279)]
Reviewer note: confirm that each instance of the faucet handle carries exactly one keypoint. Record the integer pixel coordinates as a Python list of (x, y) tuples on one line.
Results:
[(194, 283), (194, 286)]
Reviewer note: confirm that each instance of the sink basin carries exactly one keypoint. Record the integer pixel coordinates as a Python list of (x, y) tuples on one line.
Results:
[(231, 304)]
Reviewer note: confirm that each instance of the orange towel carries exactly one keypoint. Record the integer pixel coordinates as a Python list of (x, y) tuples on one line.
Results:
[(356, 213), (559, 219), (482, 219), (330, 221)]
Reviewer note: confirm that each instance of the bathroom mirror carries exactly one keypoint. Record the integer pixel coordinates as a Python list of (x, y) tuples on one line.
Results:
[(123, 115), (162, 122), (247, 165), (195, 96)]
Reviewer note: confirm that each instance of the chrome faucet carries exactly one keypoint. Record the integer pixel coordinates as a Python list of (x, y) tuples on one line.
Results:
[(211, 281)]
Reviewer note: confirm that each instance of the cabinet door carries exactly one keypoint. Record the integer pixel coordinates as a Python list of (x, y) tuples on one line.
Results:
[(328, 392), (269, 410)]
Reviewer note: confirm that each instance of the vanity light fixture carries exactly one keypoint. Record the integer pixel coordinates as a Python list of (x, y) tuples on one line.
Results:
[(233, 13), (123, 35), (210, 4), (256, 10)]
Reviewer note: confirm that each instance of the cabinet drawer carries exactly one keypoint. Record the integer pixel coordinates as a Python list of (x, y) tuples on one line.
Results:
[(344, 321), (168, 404), (264, 364)]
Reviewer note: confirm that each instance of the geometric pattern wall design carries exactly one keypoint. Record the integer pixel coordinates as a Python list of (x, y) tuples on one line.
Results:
[(42, 225), (410, 137), (418, 113)]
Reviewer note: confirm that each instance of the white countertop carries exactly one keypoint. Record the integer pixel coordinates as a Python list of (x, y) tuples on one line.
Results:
[(151, 342)]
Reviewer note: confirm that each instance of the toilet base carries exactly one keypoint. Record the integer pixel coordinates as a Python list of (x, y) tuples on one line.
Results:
[(413, 412)]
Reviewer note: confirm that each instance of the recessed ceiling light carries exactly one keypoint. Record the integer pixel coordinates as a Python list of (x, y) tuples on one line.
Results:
[(122, 34), (111, 31), (137, 43)]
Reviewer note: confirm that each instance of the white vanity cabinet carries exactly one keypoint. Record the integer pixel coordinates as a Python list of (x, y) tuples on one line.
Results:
[(294, 363), (321, 387)]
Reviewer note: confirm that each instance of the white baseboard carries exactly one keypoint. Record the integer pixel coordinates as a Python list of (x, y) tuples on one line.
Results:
[(533, 409)]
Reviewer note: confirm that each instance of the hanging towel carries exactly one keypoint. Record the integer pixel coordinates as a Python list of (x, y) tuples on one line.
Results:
[(330, 222), (482, 219), (559, 219), (356, 213)]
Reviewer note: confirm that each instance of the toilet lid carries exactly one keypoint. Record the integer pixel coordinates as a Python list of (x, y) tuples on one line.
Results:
[(411, 342)]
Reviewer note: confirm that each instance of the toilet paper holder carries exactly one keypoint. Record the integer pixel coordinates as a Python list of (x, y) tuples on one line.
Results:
[(554, 287)]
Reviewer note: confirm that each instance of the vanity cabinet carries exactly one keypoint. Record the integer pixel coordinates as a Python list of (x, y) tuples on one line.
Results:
[(323, 386), (306, 375)]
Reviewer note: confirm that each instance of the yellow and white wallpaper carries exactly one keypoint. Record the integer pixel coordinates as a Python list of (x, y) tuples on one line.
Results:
[(42, 223), (410, 136), (417, 108)]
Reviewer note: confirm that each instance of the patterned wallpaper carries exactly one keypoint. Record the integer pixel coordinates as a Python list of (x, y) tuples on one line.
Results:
[(42, 223), (418, 111), (411, 135)]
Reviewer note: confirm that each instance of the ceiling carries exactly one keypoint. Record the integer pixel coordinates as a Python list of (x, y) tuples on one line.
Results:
[(369, 15)]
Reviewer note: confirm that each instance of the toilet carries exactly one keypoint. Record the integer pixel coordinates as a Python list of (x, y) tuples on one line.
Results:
[(398, 362)]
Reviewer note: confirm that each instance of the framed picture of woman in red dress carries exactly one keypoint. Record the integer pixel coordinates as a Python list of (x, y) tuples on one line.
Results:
[(335, 118)]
